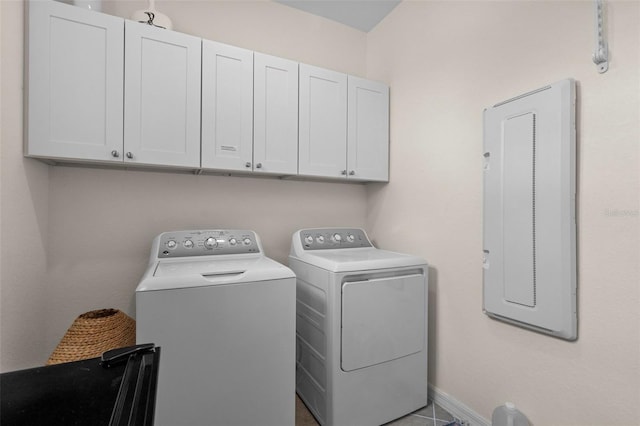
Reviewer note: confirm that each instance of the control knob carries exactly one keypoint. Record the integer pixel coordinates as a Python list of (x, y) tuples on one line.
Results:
[(308, 239), (246, 241), (337, 237), (188, 244), (171, 244), (210, 243), (320, 239), (233, 241), (351, 238)]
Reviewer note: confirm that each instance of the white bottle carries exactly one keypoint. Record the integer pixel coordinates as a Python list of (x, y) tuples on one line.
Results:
[(508, 415)]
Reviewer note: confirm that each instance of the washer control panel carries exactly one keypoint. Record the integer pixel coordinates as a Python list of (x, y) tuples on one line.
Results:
[(333, 238), (206, 243)]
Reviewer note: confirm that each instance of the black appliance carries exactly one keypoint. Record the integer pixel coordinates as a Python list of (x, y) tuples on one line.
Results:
[(117, 389)]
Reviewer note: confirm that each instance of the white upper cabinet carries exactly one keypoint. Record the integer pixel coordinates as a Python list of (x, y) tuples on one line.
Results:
[(107, 90), (323, 122), (344, 126), (227, 107), (75, 83), (275, 117), (368, 134), (162, 97)]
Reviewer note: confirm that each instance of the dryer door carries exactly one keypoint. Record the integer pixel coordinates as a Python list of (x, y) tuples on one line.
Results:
[(382, 319)]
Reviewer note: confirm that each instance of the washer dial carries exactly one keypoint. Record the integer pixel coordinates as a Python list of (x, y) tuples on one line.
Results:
[(210, 243)]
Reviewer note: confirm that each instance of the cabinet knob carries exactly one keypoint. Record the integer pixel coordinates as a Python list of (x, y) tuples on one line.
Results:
[(247, 164), (129, 155), (352, 172), (259, 166), (115, 154), (344, 172)]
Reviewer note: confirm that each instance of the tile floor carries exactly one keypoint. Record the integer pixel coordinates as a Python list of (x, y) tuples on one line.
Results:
[(431, 415)]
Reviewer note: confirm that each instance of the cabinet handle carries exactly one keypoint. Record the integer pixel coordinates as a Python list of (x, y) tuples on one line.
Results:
[(115, 154), (352, 172), (129, 155), (344, 172), (247, 164), (259, 166)]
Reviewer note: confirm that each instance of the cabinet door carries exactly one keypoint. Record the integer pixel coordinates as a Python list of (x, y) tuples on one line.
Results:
[(368, 124), (162, 97), (323, 122), (227, 107), (75, 79), (275, 116)]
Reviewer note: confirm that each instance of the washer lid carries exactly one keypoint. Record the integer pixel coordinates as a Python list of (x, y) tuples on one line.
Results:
[(174, 274), (357, 259)]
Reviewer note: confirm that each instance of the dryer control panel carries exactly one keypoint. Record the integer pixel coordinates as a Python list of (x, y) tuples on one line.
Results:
[(205, 243), (333, 238)]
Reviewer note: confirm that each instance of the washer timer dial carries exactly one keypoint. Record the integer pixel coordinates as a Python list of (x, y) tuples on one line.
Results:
[(210, 243)]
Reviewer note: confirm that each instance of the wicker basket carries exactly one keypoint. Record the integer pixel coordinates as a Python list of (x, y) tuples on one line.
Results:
[(93, 333)]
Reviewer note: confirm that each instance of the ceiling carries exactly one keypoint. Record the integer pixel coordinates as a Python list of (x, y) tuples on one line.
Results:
[(362, 15)]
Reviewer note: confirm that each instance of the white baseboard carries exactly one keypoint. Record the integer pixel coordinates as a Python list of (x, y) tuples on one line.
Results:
[(457, 408)]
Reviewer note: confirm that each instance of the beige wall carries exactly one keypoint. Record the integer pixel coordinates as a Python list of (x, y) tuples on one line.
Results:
[(24, 191), (446, 61), (76, 239)]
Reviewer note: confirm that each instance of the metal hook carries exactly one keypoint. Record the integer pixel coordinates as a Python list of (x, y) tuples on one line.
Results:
[(151, 16)]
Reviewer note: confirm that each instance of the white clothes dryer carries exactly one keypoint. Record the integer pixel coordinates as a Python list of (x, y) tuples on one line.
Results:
[(223, 314), (361, 328)]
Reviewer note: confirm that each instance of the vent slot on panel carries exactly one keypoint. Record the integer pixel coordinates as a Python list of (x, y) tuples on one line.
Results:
[(518, 234)]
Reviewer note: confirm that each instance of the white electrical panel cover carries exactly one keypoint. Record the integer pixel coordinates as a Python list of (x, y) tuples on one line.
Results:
[(529, 217)]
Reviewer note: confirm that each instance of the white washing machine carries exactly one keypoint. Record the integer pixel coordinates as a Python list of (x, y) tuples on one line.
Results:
[(224, 315), (361, 328)]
